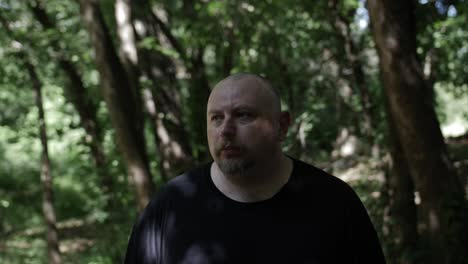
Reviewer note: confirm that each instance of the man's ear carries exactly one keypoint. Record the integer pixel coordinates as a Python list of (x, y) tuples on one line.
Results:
[(284, 122)]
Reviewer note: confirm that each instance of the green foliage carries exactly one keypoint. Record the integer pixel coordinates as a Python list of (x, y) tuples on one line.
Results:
[(152, 43), (293, 43)]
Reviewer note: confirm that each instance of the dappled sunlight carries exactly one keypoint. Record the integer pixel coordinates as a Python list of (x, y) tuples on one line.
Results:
[(370, 85), (359, 168), (198, 253), (76, 235), (70, 246)]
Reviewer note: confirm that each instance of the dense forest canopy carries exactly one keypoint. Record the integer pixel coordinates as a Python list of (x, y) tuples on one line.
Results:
[(103, 102)]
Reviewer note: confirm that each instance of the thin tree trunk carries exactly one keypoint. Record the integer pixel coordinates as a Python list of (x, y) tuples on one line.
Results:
[(76, 93), (46, 176), (127, 47), (121, 101), (402, 205), (443, 205), (162, 100), (88, 119), (342, 27), (200, 91), (228, 52), (156, 122)]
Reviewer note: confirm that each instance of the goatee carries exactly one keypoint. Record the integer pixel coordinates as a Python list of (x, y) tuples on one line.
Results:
[(234, 166)]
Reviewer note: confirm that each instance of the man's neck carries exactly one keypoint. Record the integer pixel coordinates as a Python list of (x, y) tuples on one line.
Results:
[(258, 184)]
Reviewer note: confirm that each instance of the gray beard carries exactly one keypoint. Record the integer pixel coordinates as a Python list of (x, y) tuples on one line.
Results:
[(234, 166)]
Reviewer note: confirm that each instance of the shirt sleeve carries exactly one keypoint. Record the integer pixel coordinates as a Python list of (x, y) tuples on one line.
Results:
[(362, 242), (145, 245)]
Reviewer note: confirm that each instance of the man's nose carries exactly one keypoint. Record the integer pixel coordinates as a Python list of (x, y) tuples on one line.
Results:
[(228, 128)]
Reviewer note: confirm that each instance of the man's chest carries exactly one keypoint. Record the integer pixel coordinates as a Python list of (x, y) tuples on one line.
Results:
[(259, 235)]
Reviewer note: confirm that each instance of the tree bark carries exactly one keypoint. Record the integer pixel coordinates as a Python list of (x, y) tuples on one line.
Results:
[(228, 51), (162, 99), (193, 64), (76, 93), (127, 39), (443, 205), (341, 25), (46, 176), (48, 210), (403, 209), (121, 101), (200, 91)]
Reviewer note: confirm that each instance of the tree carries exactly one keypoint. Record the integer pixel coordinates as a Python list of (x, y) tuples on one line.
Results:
[(78, 95), (46, 175), (417, 129), (121, 100), (318, 53), (161, 96), (401, 201), (341, 22)]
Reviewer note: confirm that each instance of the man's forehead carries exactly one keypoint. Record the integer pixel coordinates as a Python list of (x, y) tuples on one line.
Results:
[(242, 91), (236, 92), (241, 86)]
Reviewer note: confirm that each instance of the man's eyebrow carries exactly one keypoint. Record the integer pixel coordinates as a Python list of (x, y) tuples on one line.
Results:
[(235, 108), (244, 107), (214, 111)]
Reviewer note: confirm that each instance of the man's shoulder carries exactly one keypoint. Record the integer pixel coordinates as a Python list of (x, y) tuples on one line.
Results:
[(176, 194), (184, 185), (310, 177), (194, 176)]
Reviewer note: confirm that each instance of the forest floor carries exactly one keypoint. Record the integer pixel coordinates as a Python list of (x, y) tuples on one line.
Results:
[(77, 237), (81, 241)]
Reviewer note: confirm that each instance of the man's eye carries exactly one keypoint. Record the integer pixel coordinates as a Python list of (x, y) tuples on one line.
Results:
[(216, 118), (244, 116)]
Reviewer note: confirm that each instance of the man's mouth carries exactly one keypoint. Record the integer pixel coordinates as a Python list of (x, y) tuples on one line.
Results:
[(230, 151)]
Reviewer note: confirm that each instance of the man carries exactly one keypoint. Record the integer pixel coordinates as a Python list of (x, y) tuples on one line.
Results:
[(253, 204)]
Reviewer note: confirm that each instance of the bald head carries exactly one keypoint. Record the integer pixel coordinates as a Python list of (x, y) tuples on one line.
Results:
[(255, 84)]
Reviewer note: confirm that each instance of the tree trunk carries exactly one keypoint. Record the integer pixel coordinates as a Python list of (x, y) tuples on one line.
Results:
[(128, 49), (46, 176), (76, 93), (200, 91), (443, 205), (228, 52), (193, 65), (402, 205), (162, 99), (121, 101), (48, 210), (341, 25)]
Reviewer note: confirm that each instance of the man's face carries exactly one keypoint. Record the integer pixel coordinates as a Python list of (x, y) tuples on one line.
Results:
[(243, 125)]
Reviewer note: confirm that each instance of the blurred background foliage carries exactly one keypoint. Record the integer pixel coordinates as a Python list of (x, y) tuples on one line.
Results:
[(184, 48)]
